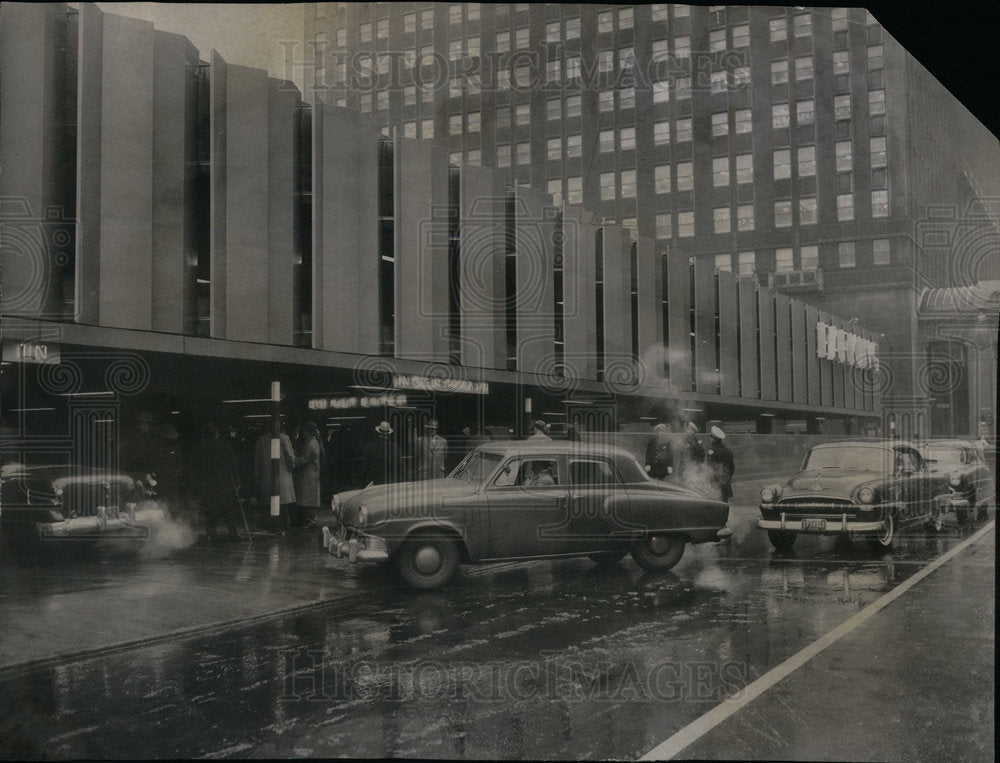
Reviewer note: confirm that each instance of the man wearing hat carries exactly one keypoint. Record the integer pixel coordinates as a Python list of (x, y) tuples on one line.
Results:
[(381, 457), (660, 453), (720, 459), (308, 465), (539, 431), (431, 450)]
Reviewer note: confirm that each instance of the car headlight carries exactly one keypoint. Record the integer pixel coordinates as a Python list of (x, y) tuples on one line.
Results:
[(866, 495), (954, 480), (336, 507), (768, 494), (363, 517)]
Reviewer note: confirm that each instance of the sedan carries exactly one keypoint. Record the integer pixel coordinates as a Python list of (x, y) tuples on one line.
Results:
[(969, 479), (524, 500)]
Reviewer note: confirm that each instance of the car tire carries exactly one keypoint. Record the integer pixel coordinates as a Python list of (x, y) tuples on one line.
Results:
[(782, 540), (884, 539), (658, 552), (427, 561), (606, 558)]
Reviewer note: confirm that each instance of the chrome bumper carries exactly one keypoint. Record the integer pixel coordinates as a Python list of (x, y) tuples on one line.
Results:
[(832, 526), (354, 546), (131, 523)]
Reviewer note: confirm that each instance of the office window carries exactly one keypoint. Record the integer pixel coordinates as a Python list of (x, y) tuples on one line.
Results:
[(877, 149), (839, 16), (845, 207), (807, 161), (876, 56), (455, 87), (779, 72), (382, 99), (720, 123), (503, 117), (382, 29), (552, 32), (744, 217), (784, 260), (720, 81), (475, 157), (503, 42), (572, 67), (741, 76), (876, 102), (553, 108), (626, 58), (664, 225), (472, 12), (682, 47), (842, 106), (574, 145), (474, 120), (524, 153), (342, 38), (606, 140), (661, 178), (382, 64), (626, 98), (682, 11), (682, 88), (804, 112), (366, 103), (472, 48), (455, 13), (626, 138), (685, 176), (807, 210), (783, 213), (606, 100), (724, 263), (660, 50), (365, 30), (409, 129), (880, 251), (880, 203), (426, 54), (717, 40), (522, 76), (455, 157), (554, 149), (845, 254), (802, 24), (573, 108), (782, 163), (503, 156), (605, 63), (522, 114), (427, 18), (521, 38), (720, 171), (845, 160), (604, 22), (626, 18), (841, 61), (779, 29), (574, 190), (683, 130), (659, 11), (744, 168), (661, 133), (628, 184), (779, 115), (607, 186), (427, 94), (723, 224), (427, 129), (554, 188), (409, 95), (503, 79), (809, 258), (573, 28), (747, 263), (741, 35), (685, 224), (744, 120), (553, 70), (803, 68), (661, 92)]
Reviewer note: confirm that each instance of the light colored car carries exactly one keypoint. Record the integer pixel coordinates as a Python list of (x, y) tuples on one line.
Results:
[(970, 481), (524, 500)]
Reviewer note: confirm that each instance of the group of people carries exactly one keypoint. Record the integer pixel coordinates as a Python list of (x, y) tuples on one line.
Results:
[(688, 461)]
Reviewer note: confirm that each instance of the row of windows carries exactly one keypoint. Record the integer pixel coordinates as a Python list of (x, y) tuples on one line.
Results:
[(808, 258)]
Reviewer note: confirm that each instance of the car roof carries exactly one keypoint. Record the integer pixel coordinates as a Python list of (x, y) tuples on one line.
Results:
[(950, 443), (866, 443), (542, 447)]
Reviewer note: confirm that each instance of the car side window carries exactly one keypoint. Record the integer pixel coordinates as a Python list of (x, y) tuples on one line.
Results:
[(595, 472), (907, 462), (528, 472)]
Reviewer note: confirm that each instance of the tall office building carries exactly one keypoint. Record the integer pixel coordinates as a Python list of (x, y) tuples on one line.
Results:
[(804, 146)]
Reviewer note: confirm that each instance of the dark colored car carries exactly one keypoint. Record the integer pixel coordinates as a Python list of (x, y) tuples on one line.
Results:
[(970, 481), (62, 503), (867, 489), (524, 500)]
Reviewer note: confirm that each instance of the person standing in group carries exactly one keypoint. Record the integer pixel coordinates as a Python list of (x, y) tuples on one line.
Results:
[(539, 431), (262, 475), (690, 469), (216, 482), (660, 453), (720, 459), (381, 457), (431, 451), (309, 461)]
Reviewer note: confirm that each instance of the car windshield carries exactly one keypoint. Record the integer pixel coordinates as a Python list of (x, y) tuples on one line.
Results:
[(943, 455), (871, 459), (476, 467)]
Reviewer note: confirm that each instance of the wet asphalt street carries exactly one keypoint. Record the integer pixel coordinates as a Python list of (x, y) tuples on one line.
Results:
[(278, 650)]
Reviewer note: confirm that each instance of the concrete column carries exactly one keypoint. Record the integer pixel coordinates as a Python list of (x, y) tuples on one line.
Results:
[(617, 302), (798, 326), (579, 297), (704, 321), (650, 306), (282, 300), (768, 368), (534, 226), (747, 292), (728, 335), (679, 306), (783, 354)]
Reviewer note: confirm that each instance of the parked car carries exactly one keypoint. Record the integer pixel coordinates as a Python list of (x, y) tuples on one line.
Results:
[(867, 489), (72, 503), (970, 481), (524, 500)]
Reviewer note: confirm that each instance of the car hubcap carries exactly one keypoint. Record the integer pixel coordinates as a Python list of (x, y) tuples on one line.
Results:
[(659, 544), (427, 559)]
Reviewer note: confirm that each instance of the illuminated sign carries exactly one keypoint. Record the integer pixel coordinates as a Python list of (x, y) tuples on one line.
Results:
[(834, 343), (30, 352), (435, 384), (351, 403)]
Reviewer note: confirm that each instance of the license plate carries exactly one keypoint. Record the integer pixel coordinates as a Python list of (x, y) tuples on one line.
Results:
[(813, 524)]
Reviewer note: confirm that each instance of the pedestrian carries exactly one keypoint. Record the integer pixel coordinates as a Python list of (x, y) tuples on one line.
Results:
[(309, 460), (381, 457), (720, 459), (262, 476), (660, 453), (539, 428), (431, 451), (216, 482)]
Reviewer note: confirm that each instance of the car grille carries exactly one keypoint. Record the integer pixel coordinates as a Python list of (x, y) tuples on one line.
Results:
[(811, 507), (83, 500)]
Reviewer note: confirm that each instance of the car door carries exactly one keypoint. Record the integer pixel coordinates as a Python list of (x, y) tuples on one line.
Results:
[(596, 499), (527, 516), (917, 484)]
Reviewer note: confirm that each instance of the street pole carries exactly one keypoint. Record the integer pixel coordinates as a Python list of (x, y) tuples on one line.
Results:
[(275, 455)]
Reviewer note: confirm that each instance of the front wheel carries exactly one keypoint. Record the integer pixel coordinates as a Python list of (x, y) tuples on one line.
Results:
[(427, 562), (884, 538), (782, 540), (658, 552)]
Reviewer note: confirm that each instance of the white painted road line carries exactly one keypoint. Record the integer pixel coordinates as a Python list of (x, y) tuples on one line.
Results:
[(698, 728)]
